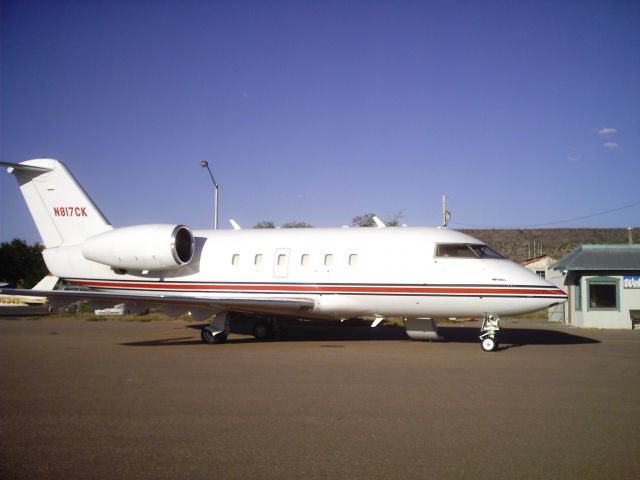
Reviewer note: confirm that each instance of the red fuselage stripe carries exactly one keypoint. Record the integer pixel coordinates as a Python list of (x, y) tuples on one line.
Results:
[(324, 289)]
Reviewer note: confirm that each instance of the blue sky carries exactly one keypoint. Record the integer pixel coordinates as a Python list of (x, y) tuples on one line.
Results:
[(523, 113)]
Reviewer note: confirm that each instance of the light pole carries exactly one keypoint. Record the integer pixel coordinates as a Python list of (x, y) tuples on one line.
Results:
[(205, 164)]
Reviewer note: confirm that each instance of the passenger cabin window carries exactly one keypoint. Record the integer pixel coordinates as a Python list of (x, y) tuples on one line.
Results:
[(353, 259), (258, 259), (465, 250), (282, 259), (328, 259), (304, 260), (235, 260)]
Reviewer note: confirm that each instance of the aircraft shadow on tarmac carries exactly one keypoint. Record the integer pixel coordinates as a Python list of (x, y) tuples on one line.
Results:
[(514, 337), (508, 337)]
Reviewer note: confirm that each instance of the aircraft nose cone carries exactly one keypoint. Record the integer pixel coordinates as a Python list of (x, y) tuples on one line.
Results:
[(553, 291), (547, 292)]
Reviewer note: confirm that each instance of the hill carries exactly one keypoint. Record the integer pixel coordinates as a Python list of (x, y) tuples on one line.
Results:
[(518, 244)]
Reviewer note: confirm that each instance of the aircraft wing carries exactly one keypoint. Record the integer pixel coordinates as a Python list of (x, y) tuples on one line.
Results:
[(257, 304)]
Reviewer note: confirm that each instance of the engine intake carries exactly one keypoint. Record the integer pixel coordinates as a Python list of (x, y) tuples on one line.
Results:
[(142, 247)]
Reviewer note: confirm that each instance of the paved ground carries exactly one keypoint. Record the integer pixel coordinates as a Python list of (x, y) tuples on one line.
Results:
[(115, 399)]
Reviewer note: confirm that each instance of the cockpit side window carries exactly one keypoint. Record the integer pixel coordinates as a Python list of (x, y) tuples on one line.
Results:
[(458, 250), (465, 250)]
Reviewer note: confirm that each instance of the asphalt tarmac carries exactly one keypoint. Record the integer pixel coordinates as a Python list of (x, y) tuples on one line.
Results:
[(114, 399)]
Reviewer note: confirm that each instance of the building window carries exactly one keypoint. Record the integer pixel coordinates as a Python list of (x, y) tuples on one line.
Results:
[(235, 260), (578, 294), (353, 259), (603, 293), (304, 260), (258, 259), (328, 259)]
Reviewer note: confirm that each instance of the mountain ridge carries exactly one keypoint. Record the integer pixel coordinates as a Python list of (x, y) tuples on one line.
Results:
[(518, 244)]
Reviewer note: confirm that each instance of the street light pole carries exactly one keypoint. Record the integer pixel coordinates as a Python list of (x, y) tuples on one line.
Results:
[(205, 164)]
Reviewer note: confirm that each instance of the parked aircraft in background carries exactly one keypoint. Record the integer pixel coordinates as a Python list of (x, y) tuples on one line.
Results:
[(420, 274), (8, 303)]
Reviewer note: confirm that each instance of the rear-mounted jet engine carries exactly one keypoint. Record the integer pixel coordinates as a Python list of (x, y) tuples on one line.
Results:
[(142, 247)]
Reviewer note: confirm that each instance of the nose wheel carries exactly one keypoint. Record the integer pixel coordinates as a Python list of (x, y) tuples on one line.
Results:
[(488, 340)]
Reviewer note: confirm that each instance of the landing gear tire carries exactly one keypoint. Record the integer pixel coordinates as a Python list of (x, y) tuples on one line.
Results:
[(489, 344), (261, 331), (489, 329), (209, 338)]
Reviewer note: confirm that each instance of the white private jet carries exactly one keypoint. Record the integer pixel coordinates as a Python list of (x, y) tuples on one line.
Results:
[(420, 274)]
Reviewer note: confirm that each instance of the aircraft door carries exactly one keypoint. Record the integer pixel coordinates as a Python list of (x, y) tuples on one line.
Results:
[(281, 263)]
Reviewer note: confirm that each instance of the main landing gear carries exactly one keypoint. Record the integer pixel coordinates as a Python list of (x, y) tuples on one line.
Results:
[(488, 340), (209, 336), (218, 330), (263, 330), (268, 327)]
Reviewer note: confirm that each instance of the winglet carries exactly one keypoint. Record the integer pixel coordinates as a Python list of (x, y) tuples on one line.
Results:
[(234, 224), (379, 223), (48, 282)]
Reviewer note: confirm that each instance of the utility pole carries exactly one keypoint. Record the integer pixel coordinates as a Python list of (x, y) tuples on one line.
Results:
[(205, 164)]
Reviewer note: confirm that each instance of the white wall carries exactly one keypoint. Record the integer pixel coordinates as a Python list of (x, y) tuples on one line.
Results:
[(629, 299)]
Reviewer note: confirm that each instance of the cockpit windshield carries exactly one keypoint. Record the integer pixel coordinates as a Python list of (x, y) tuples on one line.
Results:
[(484, 251), (465, 250)]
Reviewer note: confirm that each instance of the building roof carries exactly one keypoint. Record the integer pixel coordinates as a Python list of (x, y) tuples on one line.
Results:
[(531, 260), (544, 256), (601, 257)]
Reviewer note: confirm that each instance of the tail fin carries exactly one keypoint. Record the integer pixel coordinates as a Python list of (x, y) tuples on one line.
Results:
[(64, 214)]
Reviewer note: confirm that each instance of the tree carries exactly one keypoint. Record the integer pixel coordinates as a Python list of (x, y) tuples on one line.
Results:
[(265, 224), (365, 220), (21, 265), (296, 225), (394, 219), (270, 224)]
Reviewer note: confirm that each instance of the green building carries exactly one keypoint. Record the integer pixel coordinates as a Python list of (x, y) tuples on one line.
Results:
[(603, 286)]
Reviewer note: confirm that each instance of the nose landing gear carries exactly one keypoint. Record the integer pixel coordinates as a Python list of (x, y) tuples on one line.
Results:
[(488, 340)]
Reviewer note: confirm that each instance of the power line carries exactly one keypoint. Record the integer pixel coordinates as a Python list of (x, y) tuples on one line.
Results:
[(557, 222)]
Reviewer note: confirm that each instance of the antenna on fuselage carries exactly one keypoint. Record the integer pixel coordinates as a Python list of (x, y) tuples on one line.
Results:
[(446, 214)]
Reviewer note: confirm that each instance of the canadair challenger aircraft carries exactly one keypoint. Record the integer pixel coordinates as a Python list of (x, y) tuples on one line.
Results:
[(419, 274)]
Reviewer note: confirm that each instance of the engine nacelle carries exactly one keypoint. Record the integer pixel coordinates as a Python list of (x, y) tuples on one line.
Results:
[(142, 247)]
